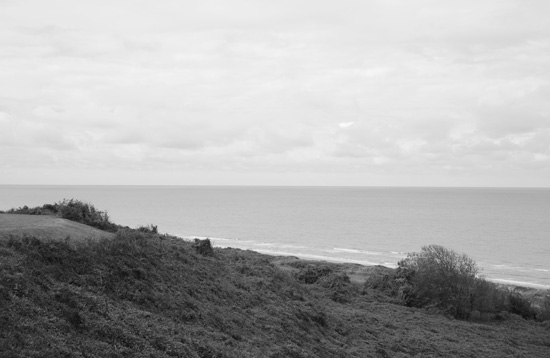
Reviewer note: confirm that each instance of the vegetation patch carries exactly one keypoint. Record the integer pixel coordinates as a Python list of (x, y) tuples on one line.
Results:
[(74, 210), (144, 294)]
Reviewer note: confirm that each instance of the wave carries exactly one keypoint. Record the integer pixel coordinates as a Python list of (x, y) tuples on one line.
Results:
[(519, 283), (355, 251), (392, 254)]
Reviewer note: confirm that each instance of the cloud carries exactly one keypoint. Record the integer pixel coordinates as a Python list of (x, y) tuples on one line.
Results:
[(361, 86), (345, 124)]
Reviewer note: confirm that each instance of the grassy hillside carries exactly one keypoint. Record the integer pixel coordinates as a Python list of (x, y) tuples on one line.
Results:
[(47, 227), (141, 294)]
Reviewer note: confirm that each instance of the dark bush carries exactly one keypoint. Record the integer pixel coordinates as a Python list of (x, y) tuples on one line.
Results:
[(521, 306), (148, 229), (204, 247), (339, 286), (312, 273), (544, 313), (442, 278), (487, 298)]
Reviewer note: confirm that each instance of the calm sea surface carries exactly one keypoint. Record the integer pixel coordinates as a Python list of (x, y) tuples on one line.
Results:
[(507, 231)]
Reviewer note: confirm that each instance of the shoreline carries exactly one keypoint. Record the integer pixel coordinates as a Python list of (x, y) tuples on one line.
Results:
[(339, 260)]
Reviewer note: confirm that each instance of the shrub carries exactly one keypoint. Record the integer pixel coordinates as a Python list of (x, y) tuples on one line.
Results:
[(339, 287), (148, 229), (520, 305), (487, 298), (203, 247), (394, 283), (442, 278), (312, 273), (85, 213), (544, 314)]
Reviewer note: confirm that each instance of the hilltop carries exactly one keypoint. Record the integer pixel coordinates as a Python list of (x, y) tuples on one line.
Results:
[(47, 227), (138, 293)]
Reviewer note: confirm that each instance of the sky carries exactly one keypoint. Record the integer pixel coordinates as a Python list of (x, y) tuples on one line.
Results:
[(257, 92)]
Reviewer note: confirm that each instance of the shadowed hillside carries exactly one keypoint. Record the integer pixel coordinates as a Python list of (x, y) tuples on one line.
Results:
[(141, 294)]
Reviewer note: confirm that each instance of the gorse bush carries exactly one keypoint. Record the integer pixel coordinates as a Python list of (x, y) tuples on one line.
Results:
[(442, 278), (74, 210)]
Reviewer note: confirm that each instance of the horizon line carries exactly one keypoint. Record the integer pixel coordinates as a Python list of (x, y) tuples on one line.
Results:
[(281, 186)]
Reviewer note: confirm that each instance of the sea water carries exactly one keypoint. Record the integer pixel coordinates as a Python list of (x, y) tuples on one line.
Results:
[(506, 230)]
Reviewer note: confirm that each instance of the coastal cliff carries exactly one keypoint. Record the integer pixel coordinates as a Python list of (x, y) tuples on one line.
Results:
[(137, 293)]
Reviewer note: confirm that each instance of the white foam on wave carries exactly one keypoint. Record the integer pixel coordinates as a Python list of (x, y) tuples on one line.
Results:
[(216, 240), (346, 250), (399, 254), (519, 283), (355, 251)]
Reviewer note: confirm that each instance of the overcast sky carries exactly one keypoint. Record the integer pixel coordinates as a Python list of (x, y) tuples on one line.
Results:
[(263, 92)]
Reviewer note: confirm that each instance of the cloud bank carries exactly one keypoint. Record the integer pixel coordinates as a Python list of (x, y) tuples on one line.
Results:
[(259, 92)]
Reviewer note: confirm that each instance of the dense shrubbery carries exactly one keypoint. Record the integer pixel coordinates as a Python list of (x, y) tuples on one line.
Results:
[(143, 294), (74, 210), (544, 314), (337, 285), (440, 277)]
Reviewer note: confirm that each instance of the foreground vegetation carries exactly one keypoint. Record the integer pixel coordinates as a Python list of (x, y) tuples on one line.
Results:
[(442, 278), (143, 294)]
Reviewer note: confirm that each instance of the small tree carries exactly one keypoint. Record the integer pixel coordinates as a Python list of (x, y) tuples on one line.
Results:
[(442, 278)]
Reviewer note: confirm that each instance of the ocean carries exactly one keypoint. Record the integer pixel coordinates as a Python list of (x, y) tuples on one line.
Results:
[(505, 230)]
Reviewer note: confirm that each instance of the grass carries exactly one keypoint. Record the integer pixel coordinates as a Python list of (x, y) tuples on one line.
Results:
[(74, 210), (142, 294)]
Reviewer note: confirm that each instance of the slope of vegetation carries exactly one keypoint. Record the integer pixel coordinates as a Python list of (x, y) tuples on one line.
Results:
[(142, 294), (74, 210)]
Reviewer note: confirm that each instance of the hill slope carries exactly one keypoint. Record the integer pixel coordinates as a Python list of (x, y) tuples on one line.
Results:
[(47, 227), (147, 295)]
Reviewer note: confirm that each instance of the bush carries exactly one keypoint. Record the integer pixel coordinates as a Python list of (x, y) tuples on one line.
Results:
[(521, 306), (148, 229), (544, 314), (85, 213), (203, 247), (312, 273), (487, 298), (442, 278), (393, 283)]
